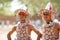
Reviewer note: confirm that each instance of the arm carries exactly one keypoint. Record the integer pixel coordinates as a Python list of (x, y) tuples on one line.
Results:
[(58, 25), (36, 31), (59, 28), (9, 34)]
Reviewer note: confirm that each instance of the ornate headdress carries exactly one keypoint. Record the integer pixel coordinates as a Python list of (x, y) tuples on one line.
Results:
[(20, 12), (48, 9)]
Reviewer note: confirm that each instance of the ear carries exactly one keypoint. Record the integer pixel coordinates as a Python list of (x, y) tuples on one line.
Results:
[(53, 15), (40, 12)]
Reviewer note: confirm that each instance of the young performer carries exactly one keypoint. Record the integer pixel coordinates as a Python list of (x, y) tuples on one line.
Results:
[(24, 27), (50, 29)]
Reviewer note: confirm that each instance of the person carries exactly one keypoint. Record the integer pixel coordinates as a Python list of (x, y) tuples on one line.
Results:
[(23, 28), (50, 29)]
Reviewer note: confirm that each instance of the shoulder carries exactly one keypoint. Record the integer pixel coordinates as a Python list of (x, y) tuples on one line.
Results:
[(57, 25), (14, 27), (56, 22), (29, 22)]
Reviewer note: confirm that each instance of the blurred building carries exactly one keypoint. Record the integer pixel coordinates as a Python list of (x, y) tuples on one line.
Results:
[(7, 19)]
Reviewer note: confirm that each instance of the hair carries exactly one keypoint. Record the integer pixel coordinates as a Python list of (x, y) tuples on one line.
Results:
[(42, 11)]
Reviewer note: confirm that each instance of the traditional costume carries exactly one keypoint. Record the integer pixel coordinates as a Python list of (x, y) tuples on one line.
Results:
[(48, 29), (22, 28)]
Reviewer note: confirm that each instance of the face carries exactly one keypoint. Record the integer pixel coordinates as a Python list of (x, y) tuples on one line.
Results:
[(47, 17), (22, 18)]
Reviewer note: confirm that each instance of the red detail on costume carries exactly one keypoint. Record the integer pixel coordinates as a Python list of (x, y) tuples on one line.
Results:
[(20, 13), (51, 8)]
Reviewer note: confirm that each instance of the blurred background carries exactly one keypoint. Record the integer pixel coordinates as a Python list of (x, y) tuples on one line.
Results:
[(8, 8)]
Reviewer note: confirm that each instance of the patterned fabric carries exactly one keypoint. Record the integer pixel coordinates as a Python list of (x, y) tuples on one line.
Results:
[(48, 33), (22, 32)]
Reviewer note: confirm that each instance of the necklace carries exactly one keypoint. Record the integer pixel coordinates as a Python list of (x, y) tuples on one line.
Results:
[(48, 32), (49, 24)]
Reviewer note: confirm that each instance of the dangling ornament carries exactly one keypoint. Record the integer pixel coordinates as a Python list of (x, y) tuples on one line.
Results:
[(49, 6), (21, 11)]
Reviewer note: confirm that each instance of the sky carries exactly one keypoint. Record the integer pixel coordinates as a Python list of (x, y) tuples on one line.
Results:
[(15, 4)]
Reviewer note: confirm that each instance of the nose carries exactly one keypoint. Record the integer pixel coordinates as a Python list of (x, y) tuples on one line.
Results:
[(46, 16)]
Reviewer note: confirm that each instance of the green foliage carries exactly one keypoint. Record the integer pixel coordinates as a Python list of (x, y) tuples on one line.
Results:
[(4, 1), (5, 4), (33, 5), (39, 4)]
